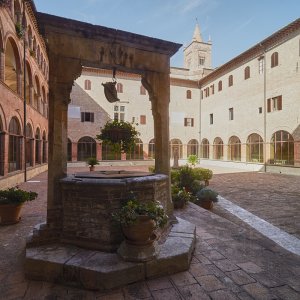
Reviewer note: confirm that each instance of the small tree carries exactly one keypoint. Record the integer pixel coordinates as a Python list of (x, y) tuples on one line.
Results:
[(193, 159)]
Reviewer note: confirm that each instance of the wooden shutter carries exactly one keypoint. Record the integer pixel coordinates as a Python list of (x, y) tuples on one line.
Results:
[(92, 117), (279, 103), (82, 117), (192, 123), (269, 105), (185, 121)]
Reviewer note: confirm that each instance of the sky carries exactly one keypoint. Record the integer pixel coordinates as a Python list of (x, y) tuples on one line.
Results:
[(232, 25)]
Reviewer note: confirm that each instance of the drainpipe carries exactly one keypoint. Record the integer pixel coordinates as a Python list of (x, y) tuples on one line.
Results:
[(24, 75), (265, 108), (200, 118)]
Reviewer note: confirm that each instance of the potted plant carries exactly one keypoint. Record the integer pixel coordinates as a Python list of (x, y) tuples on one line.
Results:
[(119, 134), (206, 197), (139, 220), (180, 197), (207, 175), (19, 30), (11, 202), (92, 161)]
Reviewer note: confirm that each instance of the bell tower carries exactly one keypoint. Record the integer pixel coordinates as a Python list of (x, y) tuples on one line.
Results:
[(197, 55)]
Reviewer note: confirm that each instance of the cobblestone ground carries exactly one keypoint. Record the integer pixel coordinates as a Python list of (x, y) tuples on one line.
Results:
[(272, 197), (231, 261)]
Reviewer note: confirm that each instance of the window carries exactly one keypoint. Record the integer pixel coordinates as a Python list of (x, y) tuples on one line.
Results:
[(142, 90), (176, 148), (211, 119), (119, 87), (192, 147), (230, 80), (189, 122), (247, 72), (86, 148), (142, 119), (231, 113), (87, 84), (119, 113), (122, 108), (116, 108), (188, 94), (212, 89), (261, 65), (122, 117), (274, 104), (218, 148), (201, 60), (116, 116), (260, 110), (234, 149), (204, 153), (220, 85), (87, 117), (206, 92), (14, 145), (254, 148), (274, 59)]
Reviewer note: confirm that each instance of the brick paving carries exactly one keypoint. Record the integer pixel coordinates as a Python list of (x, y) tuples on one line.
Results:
[(231, 260)]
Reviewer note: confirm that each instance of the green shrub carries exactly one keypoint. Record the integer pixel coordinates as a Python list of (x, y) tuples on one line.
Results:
[(207, 194), (16, 196), (193, 159)]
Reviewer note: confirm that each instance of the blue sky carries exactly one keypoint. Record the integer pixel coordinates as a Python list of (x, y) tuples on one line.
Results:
[(233, 25)]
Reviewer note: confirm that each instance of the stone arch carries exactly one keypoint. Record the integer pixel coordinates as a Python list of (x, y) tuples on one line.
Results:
[(218, 148), (137, 152), (3, 119), (255, 148), (282, 148), (36, 92), (176, 146), (14, 145), (29, 144), (28, 82), (234, 148), (12, 65), (192, 147), (86, 147), (204, 148)]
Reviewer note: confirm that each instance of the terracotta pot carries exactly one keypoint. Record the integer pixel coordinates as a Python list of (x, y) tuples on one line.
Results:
[(140, 233), (92, 168), (207, 204), (10, 213), (180, 203)]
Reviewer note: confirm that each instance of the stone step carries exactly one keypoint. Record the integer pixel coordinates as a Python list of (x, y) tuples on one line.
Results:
[(96, 270)]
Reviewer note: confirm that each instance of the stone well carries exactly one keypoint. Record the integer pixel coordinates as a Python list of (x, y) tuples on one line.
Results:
[(89, 199)]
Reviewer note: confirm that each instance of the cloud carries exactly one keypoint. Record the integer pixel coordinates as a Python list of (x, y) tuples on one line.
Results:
[(192, 4)]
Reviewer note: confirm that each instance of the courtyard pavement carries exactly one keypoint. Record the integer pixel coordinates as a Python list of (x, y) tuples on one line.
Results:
[(232, 260)]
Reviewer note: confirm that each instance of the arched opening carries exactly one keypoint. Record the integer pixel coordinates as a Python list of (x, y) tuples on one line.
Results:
[(36, 93), (29, 145), (18, 12), (43, 108), (234, 149), (192, 147), (30, 39), (282, 148), (12, 65), (188, 94), (218, 148), (255, 148), (44, 152), (28, 82), (86, 148), (205, 148), (137, 152), (38, 146), (15, 145), (176, 146), (69, 150), (151, 149)]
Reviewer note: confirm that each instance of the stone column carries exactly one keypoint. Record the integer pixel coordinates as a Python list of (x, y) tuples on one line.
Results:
[(99, 151), (158, 87), (2, 67), (74, 152)]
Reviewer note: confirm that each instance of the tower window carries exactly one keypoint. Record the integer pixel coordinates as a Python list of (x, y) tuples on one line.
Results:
[(201, 60)]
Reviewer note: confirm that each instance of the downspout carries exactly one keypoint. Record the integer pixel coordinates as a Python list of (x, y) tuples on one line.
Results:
[(265, 108), (200, 118)]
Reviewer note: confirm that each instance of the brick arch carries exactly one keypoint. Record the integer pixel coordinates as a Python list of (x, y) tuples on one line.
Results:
[(3, 119)]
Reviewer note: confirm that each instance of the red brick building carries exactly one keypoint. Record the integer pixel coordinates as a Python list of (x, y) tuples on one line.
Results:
[(23, 94)]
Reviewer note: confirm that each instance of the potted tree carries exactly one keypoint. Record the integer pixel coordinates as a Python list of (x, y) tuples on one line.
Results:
[(11, 202), (120, 135), (193, 160), (139, 220), (92, 161), (206, 197)]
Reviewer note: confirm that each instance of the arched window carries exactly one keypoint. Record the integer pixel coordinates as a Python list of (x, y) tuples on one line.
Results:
[(234, 149), (36, 93), (218, 148), (230, 80), (274, 59), (188, 94), (282, 148), (255, 148), (2, 157), (205, 148), (12, 65), (45, 150), (151, 149), (38, 146), (175, 148), (119, 87), (29, 145), (192, 147), (86, 148), (247, 72), (28, 82), (87, 84), (69, 150), (142, 90), (220, 85), (15, 145), (137, 152), (30, 38)]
